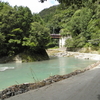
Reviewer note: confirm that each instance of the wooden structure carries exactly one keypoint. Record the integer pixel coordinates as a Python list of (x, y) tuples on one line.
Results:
[(55, 36), (62, 39)]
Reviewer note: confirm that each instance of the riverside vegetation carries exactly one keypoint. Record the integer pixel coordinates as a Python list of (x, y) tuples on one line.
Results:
[(22, 33), (28, 35), (76, 18)]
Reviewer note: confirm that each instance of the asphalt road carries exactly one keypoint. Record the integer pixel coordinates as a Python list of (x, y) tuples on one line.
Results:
[(85, 86)]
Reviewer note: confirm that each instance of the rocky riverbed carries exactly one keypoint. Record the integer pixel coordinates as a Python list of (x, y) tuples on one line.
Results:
[(22, 88), (64, 53)]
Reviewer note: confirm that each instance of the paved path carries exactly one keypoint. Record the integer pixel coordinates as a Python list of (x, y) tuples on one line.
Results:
[(85, 86)]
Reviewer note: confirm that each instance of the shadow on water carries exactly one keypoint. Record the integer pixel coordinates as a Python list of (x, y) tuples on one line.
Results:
[(98, 97), (51, 58)]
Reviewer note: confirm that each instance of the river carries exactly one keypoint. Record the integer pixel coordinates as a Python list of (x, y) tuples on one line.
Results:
[(17, 73)]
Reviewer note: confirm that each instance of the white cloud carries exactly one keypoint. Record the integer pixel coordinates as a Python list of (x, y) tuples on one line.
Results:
[(34, 5)]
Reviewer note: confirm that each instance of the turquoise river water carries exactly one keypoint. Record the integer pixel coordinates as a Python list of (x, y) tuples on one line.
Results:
[(17, 73)]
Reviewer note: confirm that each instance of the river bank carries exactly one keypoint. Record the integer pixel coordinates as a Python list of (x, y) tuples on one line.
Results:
[(22, 88), (26, 56), (84, 86), (64, 53)]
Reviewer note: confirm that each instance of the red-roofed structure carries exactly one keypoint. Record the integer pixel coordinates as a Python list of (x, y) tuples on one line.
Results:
[(55, 36)]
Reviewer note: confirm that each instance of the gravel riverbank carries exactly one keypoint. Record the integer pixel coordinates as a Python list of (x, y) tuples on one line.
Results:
[(64, 53)]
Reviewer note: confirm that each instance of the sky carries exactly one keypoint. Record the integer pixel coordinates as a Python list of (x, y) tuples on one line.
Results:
[(34, 5)]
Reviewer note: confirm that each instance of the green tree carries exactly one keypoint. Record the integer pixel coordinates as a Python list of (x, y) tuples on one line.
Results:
[(39, 34), (15, 24), (22, 32), (37, 18), (38, 38)]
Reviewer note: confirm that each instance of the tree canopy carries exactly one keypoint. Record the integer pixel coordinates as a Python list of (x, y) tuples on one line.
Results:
[(77, 18), (20, 30)]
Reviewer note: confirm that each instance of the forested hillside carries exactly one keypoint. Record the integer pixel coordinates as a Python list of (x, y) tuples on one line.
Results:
[(22, 32), (78, 18), (28, 35)]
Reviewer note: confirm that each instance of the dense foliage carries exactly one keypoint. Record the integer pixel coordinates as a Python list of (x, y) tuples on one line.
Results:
[(78, 18), (20, 31)]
